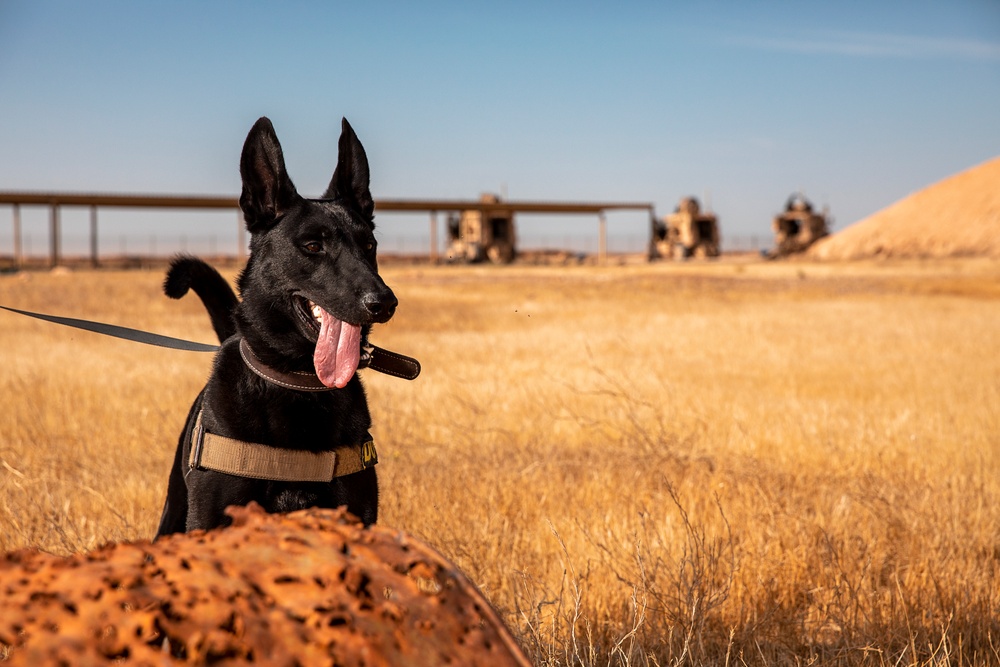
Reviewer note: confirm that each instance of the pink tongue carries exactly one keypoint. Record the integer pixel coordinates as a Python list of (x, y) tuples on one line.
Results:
[(338, 351)]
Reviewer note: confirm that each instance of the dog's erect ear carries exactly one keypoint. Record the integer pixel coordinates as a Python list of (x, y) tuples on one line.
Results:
[(350, 178), (268, 192)]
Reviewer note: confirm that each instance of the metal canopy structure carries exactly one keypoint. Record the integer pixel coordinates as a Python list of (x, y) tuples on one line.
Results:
[(117, 200), (507, 207), (55, 200), (526, 206)]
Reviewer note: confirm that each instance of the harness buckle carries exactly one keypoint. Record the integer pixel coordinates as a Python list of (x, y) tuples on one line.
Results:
[(197, 441)]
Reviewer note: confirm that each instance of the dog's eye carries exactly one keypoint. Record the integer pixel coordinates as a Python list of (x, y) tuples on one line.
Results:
[(370, 247), (313, 247)]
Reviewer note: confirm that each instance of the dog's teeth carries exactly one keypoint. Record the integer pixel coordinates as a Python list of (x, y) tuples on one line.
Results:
[(317, 312)]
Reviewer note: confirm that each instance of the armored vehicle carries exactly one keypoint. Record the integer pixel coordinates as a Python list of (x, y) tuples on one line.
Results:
[(687, 232), (476, 235), (798, 227)]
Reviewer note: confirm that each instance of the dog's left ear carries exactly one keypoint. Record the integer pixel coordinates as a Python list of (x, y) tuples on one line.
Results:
[(350, 179)]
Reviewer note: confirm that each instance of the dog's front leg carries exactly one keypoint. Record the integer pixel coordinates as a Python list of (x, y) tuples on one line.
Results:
[(210, 493)]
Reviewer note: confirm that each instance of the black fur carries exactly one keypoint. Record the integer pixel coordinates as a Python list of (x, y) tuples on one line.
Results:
[(321, 250), (191, 273)]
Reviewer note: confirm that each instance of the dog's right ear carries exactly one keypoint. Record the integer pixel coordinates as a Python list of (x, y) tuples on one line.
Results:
[(268, 192)]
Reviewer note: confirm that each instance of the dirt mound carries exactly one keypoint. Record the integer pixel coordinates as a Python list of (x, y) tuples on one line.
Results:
[(308, 588), (956, 217)]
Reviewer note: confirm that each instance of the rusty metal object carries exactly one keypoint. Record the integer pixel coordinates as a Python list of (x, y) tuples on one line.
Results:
[(309, 588)]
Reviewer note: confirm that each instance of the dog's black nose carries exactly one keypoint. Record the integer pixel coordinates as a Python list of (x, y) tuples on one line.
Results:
[(380, 305)]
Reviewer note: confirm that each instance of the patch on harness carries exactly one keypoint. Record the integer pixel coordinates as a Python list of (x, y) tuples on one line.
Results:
[(369, 457)]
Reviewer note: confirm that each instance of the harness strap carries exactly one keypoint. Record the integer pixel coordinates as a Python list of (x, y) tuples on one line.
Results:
[(256, 461)]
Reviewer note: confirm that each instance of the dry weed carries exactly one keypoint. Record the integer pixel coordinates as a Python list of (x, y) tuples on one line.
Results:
[(644, 465)]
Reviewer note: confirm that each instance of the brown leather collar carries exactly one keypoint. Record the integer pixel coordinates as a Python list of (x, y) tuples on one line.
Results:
[(372, 357), (297, 380), (392, 363)]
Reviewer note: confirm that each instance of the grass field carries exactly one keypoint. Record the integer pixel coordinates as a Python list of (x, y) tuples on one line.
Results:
[(700, 464)]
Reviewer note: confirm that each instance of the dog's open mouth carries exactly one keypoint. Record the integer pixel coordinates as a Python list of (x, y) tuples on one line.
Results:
[(338, 344)]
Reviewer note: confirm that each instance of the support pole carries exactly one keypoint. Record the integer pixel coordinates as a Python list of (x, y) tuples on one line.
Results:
[(602, 239), (93, 237), (18, 257), (54, 235), (434, 238)]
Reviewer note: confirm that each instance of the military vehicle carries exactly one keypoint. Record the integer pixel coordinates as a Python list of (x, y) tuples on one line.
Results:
[(475, 236), (798, 227), (687, 232)]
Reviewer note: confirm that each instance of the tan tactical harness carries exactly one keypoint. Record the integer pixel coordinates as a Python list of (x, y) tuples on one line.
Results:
[(210, 451), (250, 459)]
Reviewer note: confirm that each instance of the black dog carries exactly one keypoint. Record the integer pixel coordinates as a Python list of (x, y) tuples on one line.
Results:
[(283, 419)]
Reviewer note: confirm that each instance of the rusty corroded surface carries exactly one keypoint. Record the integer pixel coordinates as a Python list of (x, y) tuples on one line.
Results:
[(308, 588)]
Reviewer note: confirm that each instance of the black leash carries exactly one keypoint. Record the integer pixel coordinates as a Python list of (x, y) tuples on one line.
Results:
[(121, 332), (378, 359)]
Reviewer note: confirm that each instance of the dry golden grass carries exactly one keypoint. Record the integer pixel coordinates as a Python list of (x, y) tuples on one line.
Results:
[(722, 464)]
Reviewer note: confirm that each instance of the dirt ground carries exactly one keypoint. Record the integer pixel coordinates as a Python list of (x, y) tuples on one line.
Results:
[(956, 217)]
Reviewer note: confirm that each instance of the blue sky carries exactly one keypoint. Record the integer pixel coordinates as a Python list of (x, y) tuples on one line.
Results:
[(855, 103)]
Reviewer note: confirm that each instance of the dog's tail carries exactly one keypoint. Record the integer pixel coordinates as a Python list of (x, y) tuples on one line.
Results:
[(188, 272)]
